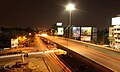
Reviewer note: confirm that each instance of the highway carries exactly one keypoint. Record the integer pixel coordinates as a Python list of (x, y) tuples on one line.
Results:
[(110, 61), (52, 60)]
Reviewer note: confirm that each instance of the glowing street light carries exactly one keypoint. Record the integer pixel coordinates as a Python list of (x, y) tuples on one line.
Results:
[(19, 38), (70, 7), (24, 37)]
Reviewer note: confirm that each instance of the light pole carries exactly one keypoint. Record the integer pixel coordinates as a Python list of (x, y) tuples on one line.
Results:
[(70, 7)]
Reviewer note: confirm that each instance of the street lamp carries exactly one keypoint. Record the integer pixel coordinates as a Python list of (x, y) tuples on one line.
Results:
[(70, 7)]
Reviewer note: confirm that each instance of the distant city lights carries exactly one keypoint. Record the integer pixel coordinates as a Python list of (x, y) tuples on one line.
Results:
[(44, 35), (59, 24)]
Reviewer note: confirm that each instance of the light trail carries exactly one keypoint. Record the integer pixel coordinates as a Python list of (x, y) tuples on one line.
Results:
[(103, 58)]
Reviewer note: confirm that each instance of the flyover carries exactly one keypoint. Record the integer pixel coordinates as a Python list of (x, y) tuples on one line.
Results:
[(100, 57)]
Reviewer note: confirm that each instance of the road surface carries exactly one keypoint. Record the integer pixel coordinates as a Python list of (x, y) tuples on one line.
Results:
[(105, 59)]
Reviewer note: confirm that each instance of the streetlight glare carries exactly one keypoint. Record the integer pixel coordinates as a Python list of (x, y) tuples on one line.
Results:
[(70, 7)]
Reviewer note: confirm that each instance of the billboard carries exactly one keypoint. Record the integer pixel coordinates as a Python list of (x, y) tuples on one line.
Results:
[(86, 31), (14, 43), (59, 24), (85, 38), (60, 31), (94, 31), (116, 21), (76, 31)]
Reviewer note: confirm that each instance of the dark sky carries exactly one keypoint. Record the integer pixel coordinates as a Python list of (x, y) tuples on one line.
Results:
[(44, 13)]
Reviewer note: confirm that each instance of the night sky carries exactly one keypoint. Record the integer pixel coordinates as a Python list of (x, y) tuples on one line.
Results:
[(45, 13)]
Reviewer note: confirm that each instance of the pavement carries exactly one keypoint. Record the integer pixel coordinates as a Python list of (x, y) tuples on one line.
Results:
[(36, 64)]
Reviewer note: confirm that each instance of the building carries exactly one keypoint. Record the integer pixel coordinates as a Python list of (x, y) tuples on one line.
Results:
[(114, 33), (114, 36)]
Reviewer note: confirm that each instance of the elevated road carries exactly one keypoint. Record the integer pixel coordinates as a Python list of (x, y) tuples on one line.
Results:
[(51, 59), (100, 55)]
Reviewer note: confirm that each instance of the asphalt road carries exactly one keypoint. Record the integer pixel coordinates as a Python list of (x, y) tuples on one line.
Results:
[(51, 59), (104, 59)]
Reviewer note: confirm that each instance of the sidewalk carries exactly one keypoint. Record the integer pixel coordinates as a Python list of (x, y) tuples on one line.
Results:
[(34, 65)]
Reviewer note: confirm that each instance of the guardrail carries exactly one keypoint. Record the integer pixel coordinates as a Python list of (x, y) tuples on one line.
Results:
[(57, 51)]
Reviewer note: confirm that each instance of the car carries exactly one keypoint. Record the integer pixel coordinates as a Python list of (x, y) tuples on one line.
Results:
[(106, 45)]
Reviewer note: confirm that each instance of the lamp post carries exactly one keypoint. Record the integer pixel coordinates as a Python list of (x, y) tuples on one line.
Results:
[(70, 7)]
